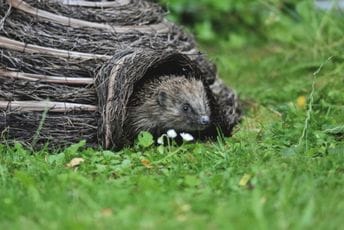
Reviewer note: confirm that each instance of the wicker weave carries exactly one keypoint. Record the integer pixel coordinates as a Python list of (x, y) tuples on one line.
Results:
[(69, 67)]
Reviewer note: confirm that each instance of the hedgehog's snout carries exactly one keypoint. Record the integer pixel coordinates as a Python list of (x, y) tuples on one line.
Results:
[(204, 120)]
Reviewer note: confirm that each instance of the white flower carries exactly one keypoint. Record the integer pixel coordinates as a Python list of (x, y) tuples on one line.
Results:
[(171, 133), (187, 136), (160, 140)]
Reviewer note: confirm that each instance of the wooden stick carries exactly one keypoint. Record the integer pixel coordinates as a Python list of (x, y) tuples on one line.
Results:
[(46, 78), (162, 27), (28, 48), (41, 106), (93, 4)]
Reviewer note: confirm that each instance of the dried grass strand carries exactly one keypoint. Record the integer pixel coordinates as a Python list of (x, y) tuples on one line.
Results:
[(2, 21)]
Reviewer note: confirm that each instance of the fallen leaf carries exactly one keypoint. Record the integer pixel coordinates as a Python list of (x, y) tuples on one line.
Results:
[(75, 162), (146, 163), (245, 179), (301, 102)]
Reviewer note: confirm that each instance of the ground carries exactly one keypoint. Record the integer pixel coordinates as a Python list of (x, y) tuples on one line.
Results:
[(283, 168)]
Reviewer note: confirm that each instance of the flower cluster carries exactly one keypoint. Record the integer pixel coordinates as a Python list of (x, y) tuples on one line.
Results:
[(171, 133)]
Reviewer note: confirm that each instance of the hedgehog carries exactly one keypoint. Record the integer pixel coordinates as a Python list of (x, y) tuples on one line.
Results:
[(168, 102)]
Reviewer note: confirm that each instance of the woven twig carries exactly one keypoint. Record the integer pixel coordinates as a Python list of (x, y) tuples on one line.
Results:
[(28, 48), (40, 106), (93, 4), (46, 78)]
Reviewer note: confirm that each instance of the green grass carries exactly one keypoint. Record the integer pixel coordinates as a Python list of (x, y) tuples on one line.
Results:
[(282, 169)]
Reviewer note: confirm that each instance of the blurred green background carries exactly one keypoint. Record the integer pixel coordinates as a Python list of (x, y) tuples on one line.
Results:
[(238, 21)]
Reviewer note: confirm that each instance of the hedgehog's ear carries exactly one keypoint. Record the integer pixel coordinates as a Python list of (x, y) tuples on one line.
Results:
[(162, 96)]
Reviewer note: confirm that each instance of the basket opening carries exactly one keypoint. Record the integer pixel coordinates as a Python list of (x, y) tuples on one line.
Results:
[(176, 65)]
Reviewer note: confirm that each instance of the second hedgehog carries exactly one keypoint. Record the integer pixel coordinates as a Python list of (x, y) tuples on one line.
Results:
[(169, 102)]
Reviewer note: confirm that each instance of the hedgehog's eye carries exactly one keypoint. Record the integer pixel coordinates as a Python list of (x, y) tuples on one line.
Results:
[(186, 107)]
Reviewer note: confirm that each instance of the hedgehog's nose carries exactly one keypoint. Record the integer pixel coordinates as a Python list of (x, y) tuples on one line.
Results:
[(205, 120)]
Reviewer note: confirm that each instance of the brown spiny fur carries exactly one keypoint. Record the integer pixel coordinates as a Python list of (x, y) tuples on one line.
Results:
[(158, 106)]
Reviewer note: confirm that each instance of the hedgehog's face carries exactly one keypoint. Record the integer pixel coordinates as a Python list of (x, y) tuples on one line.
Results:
[(185, 107)]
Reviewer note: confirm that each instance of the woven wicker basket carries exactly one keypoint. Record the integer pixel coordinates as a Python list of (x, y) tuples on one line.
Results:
[(69, 67)]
